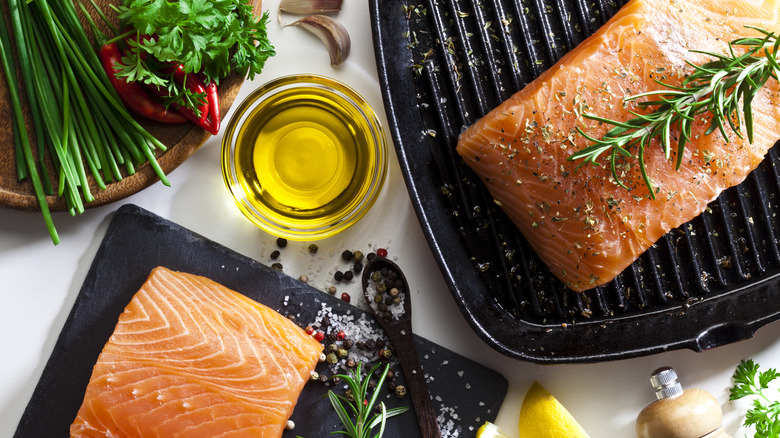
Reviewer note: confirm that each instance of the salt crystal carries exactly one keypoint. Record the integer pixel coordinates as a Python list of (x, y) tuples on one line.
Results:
[(460, 373)]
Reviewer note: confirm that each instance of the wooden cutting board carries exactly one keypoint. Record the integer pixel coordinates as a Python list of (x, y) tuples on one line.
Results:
[(182, 141)]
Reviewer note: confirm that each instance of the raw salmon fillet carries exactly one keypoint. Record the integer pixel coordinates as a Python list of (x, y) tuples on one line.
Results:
[(191, 358), (585, 227)]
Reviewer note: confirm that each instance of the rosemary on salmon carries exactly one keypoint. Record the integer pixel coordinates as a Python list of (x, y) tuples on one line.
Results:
[(724, 88)]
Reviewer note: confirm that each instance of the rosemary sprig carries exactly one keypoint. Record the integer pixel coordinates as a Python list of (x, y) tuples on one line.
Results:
[(361, 405), (721, 87)]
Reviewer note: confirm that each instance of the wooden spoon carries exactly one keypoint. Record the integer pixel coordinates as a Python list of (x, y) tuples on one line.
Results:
[(398, 326)]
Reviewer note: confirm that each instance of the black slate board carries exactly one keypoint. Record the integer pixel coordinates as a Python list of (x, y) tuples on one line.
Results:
[(136, 242)]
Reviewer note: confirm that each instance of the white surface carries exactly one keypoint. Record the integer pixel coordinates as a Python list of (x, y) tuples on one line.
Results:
[(39, 282)]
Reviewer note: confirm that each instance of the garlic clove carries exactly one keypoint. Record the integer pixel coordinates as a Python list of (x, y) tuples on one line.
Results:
[(331, 32), (310, 6)]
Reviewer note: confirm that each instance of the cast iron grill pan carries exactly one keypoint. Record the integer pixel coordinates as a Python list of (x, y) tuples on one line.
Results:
[(443, 65)]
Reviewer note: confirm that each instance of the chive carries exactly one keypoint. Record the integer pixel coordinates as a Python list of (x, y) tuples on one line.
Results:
[(78, 119), (6, 53)]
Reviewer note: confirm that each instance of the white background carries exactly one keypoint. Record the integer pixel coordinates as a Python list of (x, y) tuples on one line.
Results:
[(39, 282)]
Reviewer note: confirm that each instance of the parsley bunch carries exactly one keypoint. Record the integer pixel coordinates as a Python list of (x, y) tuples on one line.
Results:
[(750, 382), (213, 37)]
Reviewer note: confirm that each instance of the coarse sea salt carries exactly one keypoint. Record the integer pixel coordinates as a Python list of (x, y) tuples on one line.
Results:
[(449, 422), (358, 329)]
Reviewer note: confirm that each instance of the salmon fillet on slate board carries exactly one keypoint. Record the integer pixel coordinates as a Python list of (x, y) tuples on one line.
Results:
[(465, 393)]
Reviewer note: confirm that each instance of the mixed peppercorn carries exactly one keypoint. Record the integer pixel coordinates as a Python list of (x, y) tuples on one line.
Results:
[(355, 258), (388, 293), (339, 348)]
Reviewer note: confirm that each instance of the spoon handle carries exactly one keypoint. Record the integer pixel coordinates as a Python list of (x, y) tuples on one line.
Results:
[(403, 342)]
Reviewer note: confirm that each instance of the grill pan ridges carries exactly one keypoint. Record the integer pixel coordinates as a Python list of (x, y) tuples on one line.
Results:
[(443, 65)]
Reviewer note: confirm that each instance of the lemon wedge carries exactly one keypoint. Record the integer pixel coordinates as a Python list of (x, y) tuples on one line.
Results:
[(542, 416), (490, 430)]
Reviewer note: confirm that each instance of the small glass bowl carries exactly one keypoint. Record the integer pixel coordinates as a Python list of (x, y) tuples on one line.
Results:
[(304, 157)]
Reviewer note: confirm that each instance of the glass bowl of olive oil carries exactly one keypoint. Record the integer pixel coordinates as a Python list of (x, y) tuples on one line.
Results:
[(304, 157)]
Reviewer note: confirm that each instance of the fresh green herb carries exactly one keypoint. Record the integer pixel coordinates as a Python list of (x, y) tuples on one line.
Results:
[(750, 382), (215, 37), (721, 88), (80, 125), (361, 406)]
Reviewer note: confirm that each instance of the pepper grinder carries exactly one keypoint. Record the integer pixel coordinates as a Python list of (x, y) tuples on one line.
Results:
[(678, 413)]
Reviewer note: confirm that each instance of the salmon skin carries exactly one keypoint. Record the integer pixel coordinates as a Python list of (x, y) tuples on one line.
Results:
[(191, 358), (580, 222)]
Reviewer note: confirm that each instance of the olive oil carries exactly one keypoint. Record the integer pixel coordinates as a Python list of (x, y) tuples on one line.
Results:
[(306, 158)]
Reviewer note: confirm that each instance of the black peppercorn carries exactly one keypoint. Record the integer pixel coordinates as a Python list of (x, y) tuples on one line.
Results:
[(338, 276), (370, 256), (281, 242), (313, 248), (277, 266), (357, 267), (275, 254), (347, 255), (348, 343), (348, 276)]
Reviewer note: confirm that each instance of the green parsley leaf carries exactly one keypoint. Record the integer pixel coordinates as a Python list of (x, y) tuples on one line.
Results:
[(213, 37), (749, 381)]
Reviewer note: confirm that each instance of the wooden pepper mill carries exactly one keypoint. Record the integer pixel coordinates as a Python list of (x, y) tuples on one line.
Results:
[(678, 413)]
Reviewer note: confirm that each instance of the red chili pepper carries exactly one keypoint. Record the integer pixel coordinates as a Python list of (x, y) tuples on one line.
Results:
[(216, 118), (209, 117), (133, 94), (195, 85)]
